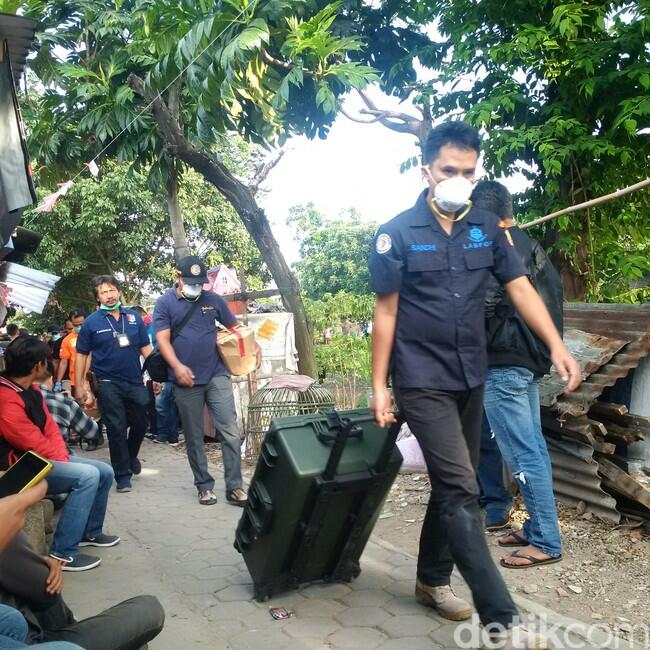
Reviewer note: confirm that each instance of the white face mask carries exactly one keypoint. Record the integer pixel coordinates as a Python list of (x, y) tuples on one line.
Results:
[(453, 193), (192, 291)]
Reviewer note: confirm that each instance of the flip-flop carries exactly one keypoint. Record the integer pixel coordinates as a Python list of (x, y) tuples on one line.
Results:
[(534, 561), (521, 540)]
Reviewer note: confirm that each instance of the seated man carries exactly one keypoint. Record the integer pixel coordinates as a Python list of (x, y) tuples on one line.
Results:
[(66, 412), (13, 626), (26, 424), (14, 631), (33, 584)]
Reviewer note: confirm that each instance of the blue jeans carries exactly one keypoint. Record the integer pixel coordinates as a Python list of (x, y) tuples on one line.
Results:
[(218, 397), (87, 483), (14, 631), (167, 415), (512, 408), (495, 499), (123, 407)]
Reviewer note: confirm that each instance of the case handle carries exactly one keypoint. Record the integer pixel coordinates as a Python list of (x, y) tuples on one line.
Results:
[(269, 454), (340, 430), (337, 427)]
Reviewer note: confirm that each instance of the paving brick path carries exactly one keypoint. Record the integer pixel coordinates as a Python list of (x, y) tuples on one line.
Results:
[(183, 553)]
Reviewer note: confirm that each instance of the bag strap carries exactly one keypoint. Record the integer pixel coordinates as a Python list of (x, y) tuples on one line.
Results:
[(177, 330)]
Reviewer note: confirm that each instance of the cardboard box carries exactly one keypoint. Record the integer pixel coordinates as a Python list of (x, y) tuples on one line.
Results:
[(237, 349)]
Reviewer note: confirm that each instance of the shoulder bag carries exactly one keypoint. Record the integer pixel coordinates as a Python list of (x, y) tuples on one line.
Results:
[(155, 364)]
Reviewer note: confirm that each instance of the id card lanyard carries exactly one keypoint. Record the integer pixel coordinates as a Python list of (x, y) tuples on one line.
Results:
[(122, 337)]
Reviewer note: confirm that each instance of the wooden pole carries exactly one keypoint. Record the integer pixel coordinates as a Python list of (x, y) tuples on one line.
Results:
[(588, 204)]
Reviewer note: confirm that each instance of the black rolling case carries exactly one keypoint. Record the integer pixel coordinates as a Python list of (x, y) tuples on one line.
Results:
[(315, 497)]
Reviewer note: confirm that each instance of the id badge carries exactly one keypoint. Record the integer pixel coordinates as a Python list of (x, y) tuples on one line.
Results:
[(123, 340)]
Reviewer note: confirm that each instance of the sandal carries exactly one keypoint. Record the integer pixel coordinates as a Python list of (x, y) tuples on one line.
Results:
[(534, 561), (521, 540)]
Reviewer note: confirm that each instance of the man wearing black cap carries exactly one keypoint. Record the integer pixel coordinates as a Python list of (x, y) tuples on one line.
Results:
[(199, 376)]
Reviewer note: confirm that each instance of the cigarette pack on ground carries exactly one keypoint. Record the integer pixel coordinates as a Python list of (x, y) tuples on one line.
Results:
[(237, 349)]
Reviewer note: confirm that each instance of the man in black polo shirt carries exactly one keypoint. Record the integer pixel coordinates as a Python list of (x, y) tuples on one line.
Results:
[(430, 267), (199, 376), (116, 337)]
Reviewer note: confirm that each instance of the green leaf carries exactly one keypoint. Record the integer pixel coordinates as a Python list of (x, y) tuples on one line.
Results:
[(325, 98), (256, 34), (123, 95), (76, 71)]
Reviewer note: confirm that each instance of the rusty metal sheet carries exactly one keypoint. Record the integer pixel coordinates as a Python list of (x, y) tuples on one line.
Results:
[(592, 352), (631, 322), (576, 478), (579, 402)]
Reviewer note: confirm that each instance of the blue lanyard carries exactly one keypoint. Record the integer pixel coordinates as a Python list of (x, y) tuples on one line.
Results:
[(109, 318)]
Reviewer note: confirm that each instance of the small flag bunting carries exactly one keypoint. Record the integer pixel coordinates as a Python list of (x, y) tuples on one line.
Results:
[(93, 168), (50, 200)]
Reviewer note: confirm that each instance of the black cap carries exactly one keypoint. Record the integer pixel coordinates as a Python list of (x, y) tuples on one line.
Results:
[(192, 270)]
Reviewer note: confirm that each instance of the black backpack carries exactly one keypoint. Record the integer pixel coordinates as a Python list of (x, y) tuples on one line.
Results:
[(508, 337)]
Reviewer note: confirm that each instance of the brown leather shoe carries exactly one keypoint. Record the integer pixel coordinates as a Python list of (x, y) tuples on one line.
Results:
[(444, 601)]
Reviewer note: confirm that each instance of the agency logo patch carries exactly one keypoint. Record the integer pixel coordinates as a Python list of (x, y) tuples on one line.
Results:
[(476, 235), (383, 244), (195, 269)]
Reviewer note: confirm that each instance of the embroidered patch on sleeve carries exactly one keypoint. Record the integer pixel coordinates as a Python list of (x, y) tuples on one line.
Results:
[(384, 244)]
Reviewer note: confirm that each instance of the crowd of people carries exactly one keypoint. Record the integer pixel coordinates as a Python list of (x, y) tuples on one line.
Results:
[(50, 388), (466, 386)]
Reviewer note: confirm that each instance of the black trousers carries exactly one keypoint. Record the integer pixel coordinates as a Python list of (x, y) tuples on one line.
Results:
[(447, 424), (126, 626), (123, 408)]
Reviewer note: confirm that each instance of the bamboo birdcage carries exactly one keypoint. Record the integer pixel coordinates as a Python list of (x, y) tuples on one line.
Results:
[(270, 403)]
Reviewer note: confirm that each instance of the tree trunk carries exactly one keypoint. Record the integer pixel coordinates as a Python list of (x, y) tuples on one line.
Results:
[(573, 273), (253, 217), (181, 248)]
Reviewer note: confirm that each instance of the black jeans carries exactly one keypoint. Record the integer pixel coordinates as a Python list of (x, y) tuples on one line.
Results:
[(447, 424), (123, 408)]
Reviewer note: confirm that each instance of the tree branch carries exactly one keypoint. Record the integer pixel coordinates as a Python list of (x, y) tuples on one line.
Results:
[(396, 121), (262, 172), (358, 120), (283, 64)]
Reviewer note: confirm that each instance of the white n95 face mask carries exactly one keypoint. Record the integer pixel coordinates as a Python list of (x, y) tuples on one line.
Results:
[(453, 193), (192, 291)]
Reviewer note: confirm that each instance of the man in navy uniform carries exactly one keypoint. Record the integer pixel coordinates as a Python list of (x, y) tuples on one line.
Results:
[(429, 268), (117, 338), (199, 375)]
